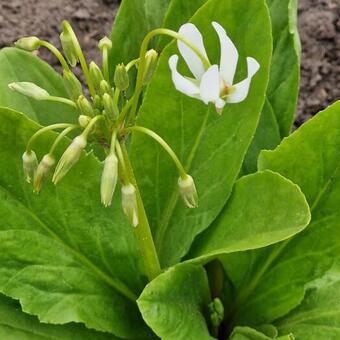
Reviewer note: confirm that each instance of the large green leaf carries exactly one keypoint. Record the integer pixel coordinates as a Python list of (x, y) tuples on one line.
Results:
[(62, 254), (16, 325), (263, 209), (17, 65), (174, 304), (212, 147), (271, 282)]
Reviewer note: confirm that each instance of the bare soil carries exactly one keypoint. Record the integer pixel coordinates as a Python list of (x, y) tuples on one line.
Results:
[(319, 24)]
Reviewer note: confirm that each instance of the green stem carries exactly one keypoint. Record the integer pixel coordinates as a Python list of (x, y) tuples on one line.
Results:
[(131, 63), (142, 60), (60, 137), (61, 100), (91, 124), (56, 52), (81, 58), (163, 143), (44, 129), (106, 64), (143, 231)]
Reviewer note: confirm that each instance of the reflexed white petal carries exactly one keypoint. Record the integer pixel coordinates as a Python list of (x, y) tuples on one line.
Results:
[(229, 55), (191, 33), (210, 85), (182, 83), (240, 90)]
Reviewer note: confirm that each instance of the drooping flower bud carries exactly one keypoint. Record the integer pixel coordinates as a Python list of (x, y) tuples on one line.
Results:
[(188, 191), (28, 43), (109, 179), (84, 106), (96, 74), (73, 85), (109, 106), (97, 102), (30, 164), (121, 77), (151, 58), (105, 42), (83, 120), (129, 203), (43, 170), (68, 46), (105, 88), (69, 158), (29, 89)]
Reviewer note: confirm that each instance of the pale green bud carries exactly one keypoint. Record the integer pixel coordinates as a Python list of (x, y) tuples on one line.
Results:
[(73, 85), (105, 42), (84, 106), (129, 203), (29, 89), (151, 58), (97, 102), (69, 47), (109, 179), (105, 88), (188, 191), (30, 164), (44, 169), (121, 77), (216, 311), (96, 74), (69, 158), (28, 43), (84, 120), (109, 106)]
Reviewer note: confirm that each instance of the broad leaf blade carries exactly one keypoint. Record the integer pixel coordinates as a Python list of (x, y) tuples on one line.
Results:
[(211, 147), (64, 256), (173, 304), (17, 65)]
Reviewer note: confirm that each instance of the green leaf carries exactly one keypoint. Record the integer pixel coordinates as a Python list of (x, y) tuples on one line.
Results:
[(16, 325), (263, 209), (17, 65), (271, 282), (247, 333), (174, 304), (211, 147), (62, 254)]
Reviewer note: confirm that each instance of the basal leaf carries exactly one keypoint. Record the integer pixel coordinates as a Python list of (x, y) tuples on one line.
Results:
[(247, 333), (16, 325), (174, 304), (263, 209), (271, 282), (17, 65), (211, 147), (62, 254)]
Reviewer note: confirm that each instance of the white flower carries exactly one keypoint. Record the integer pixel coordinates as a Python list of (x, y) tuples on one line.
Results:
[(216, 83)]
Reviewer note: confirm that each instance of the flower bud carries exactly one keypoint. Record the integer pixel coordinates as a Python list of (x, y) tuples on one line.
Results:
[(96, 74), (105, 88), (129, 203), (216, 311), (28, 43), (97, 102), (83, 120), (109, 179), (69, 158), (29, 89), (73, 85), (188, 191), (30, 165), (109, 106), (43, 171), (121, 77), (151, 58), (84, 106), (105, 42), (69, 47)]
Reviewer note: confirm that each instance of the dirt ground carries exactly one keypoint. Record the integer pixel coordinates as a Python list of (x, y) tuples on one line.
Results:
[(319, 23)]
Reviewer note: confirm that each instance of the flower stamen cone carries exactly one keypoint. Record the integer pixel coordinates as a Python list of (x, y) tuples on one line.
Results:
[(188, 191), (129, 203), (109, 179), (30, 165), (69, 158)]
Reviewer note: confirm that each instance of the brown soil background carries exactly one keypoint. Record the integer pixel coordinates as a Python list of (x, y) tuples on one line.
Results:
[(319, 24)]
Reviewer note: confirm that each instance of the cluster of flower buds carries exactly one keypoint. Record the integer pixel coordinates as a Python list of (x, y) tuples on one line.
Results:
[(102, 119)]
